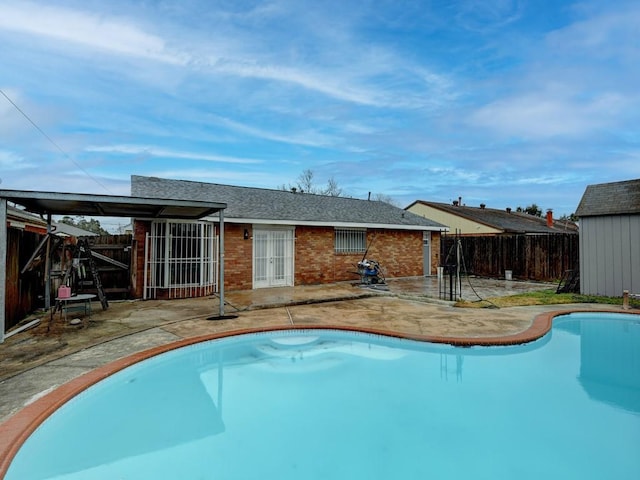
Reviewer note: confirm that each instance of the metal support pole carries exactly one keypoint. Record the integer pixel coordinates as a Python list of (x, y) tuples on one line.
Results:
[(221, 260), (47, 266), (3, 264)]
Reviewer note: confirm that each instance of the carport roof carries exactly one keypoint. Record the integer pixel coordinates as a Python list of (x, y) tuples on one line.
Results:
[(55, 203)]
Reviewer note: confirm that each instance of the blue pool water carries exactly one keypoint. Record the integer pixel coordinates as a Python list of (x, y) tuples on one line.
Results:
[(310, 404)]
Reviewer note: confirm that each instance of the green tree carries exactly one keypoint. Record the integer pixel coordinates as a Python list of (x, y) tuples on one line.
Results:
[(533, 209), (570, 218), (91, 225)]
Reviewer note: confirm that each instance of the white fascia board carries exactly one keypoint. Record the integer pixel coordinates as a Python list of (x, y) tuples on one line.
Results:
[(17, 225), (382, 226)]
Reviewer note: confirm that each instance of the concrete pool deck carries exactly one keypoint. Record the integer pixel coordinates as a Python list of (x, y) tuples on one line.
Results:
[(35, 362)]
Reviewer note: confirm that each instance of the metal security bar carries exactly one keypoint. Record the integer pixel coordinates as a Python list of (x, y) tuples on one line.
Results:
[(181, 260), (350, 240), (273, 257)]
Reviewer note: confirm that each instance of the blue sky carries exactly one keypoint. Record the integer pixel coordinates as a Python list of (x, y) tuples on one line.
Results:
[(500, 102)]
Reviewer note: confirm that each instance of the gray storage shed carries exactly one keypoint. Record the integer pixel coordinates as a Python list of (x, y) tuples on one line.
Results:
[(610, 238)]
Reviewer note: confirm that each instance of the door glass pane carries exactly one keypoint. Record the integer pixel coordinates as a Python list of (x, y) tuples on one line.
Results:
[(261, 257), (279, 249)]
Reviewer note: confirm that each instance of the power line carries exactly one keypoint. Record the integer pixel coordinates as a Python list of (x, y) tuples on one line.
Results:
[(53, 142)]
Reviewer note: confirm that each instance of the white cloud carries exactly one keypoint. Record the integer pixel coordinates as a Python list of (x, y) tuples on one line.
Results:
[(350, 72), (487, 16), (328, 83), (602, 35), (11, 120), (539, 115), (308, 137), (88, 30), (12, 161), (147, 150)]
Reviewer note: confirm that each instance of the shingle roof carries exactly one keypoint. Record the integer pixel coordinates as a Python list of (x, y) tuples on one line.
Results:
[(25, 216), (508, 222), (71, 230), (283, 206), (616, 198)]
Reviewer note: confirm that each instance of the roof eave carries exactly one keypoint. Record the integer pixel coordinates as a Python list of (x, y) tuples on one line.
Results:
[(309, 223)]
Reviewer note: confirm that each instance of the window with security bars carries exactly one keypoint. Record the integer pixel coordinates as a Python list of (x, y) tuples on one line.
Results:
[(350, 240)]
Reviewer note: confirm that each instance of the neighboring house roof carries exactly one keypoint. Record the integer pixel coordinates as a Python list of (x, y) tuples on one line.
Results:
[(70, 230), (616, 198), (19, 218), (257, 205), (24, 220), (508, 221)]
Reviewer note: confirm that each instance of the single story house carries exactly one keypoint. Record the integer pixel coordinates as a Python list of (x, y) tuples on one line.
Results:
[(610, 238), (475, 221), (273, 238)]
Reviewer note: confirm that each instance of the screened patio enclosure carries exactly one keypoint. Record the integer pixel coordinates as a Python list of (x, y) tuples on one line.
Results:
[(181, 259), (59, 203)]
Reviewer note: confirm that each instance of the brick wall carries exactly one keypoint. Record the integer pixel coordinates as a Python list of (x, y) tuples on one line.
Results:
[(140, 230), (313, 264), (238, 257), (435, 252), (399, 252)]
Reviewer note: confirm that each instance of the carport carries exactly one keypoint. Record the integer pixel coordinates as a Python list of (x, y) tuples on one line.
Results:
[(48, 204)]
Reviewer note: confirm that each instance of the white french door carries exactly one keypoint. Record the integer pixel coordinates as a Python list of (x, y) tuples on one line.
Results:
[(272, 257)]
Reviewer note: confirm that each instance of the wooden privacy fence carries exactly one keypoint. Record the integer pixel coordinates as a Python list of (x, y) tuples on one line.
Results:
[(25, 289), (528, 257), (23, 292), (112, 255)]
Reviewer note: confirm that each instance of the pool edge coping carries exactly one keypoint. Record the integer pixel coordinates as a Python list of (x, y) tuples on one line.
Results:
[(18, 427)]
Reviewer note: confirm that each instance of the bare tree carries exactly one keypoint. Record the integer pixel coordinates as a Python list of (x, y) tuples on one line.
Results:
[(332, 188), (383, 197), (305, 181), (305, 184)]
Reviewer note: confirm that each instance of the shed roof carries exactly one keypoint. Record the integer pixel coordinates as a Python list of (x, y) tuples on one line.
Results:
[(616, 198), (507, 221), (56, 203), (259, 205)]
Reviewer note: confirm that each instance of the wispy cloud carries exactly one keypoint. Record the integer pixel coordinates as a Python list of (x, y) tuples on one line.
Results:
[(147, 150), (353, 76), (12, 161), (543, 115), (89, 30), (607, 34), (308, 137), (487, 16)]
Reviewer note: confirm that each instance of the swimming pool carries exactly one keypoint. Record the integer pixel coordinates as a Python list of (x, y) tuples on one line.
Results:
[(330, 404)]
